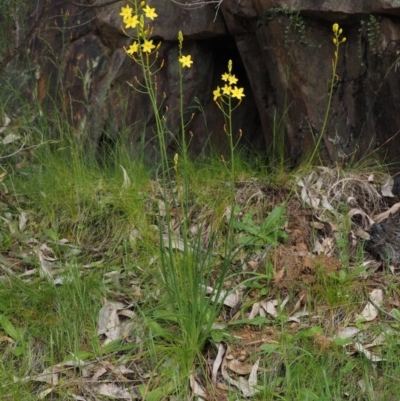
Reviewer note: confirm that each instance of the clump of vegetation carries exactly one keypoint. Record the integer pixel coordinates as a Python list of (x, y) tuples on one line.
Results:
[(195, 279)]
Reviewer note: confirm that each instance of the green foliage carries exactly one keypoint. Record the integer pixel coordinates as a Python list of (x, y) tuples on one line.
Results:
[(295, 30), (269, 232), (296, 26), (369, 31)]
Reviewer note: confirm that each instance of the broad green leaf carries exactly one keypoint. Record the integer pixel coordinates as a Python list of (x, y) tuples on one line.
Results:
[(81, 355), (157, 394), (51, 234), (348, 367), (9, 328), (275, 218), (309, 332), (269, 348), (342, 342)]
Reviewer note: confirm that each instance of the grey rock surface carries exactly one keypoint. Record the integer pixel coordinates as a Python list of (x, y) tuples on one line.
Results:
[(282, 53)]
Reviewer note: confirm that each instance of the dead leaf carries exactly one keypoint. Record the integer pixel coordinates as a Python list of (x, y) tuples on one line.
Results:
[(278, 276), (387, 187), (326, 204), (10, 138), (218, 361), (114, 391), (348, 332), (373, 358), (382, 216), (108, 321), (318, 248), (197, 389), (23, 219), (47, 260), (364, 216), (248, 388), (369, 312), (239, 367), (270, 307), (4, 123), (230, 300)]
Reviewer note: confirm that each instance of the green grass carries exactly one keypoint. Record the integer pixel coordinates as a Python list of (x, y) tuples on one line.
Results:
[(113, 252), (89, 238)]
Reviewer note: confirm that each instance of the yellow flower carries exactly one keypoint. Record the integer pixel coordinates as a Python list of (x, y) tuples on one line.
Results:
[(226, 90), (126, 12), (148, 46), (186, 61), (232, 80), (334, 41), (131, 22), (225, 77), (217, 93), (133, 48), (335, 27), (150, 12), (344, 39), (238, 92)]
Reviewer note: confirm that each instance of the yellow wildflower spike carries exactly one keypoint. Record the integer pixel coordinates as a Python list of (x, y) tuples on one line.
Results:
[(186, 61), (150, 12), (237, 92), (232, 80), (226, 90), (217, 93), (225, 77), (126, 12), (133, 48), (131, 22), (148, 46)]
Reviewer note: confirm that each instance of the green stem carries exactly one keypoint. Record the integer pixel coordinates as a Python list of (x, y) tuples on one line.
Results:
[(328, 107)]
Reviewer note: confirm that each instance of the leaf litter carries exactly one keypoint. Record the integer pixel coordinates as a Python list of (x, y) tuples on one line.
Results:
[(314, 221)]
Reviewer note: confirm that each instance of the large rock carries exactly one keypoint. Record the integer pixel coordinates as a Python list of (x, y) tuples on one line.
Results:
[(282, 53)]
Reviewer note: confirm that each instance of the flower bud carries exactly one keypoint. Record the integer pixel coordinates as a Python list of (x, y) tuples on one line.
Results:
[(335, 27)]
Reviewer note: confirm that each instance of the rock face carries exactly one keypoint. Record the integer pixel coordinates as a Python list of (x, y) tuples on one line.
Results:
[(282, 53)]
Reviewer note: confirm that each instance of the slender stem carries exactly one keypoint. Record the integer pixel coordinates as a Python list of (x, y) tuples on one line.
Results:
[(337, 41), (328, 107)]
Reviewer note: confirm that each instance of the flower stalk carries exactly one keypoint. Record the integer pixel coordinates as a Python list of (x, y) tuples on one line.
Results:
[(223, 98), (337, 41)]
